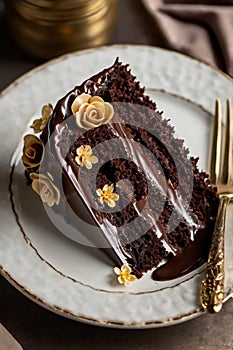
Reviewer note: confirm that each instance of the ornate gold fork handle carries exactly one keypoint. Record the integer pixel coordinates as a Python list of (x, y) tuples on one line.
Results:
[(212, 287)]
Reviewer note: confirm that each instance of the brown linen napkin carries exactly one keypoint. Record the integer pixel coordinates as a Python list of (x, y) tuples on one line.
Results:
[(7, 342), (201, 29)]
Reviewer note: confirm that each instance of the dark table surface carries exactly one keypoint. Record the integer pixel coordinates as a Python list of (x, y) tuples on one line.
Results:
[(38, 329)]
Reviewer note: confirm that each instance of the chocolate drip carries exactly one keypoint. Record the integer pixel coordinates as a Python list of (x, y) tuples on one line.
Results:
[(194, 255)]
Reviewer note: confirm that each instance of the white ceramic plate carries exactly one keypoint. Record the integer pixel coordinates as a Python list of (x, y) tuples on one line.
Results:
[(74, 280)]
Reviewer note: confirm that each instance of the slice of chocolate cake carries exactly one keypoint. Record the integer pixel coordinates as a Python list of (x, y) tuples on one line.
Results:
[(112, 158)]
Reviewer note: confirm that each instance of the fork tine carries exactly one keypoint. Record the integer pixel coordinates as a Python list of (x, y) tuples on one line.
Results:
[(227, 160), (216, 145)]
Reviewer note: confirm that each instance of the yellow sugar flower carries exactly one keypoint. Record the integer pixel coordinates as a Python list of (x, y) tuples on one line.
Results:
[(107, 195), (124, 275), (84, 156)]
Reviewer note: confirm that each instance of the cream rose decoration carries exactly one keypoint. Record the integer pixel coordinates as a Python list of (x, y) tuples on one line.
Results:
[(38, 125), (43, 185), (32, 151), (91, 112)]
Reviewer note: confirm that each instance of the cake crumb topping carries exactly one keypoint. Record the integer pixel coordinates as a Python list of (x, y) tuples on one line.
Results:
[(124, 275), (91, 112), (84, 156), (107, 195)]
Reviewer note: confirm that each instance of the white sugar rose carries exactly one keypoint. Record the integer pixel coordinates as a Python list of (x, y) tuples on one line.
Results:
[(91, 112), (43, 185)]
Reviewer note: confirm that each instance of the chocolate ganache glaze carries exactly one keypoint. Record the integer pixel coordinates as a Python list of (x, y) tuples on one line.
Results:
[(166, 208)]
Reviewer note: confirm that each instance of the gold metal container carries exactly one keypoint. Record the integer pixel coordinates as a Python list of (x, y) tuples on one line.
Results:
[(49, 28)]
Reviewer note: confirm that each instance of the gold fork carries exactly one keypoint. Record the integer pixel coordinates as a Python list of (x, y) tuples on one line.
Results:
[(212, 286)]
